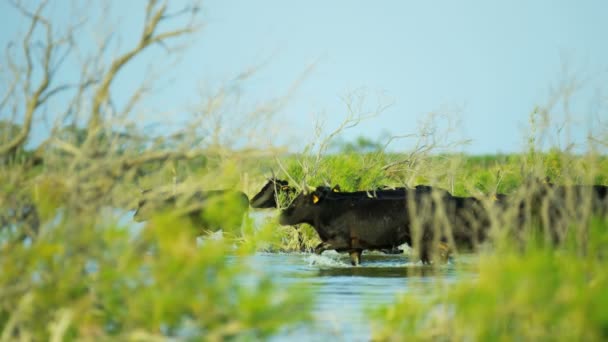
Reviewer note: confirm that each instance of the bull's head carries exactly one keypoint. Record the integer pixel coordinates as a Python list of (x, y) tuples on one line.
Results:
[(272, 194), (304, 206)]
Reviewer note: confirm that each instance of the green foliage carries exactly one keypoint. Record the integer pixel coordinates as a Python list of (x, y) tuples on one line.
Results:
[(86, 278), (351, 171), (225, 211), (49, 193), (462, 175), (540, 294), (361, 145), (269, 236)]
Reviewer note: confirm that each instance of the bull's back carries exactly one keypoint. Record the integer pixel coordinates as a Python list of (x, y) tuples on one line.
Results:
[(368, 223)]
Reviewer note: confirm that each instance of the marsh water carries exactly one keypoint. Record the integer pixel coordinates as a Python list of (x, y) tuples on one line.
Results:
[(343, 294)]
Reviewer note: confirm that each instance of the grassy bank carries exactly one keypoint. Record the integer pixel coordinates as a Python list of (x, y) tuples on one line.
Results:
[(85, 276)]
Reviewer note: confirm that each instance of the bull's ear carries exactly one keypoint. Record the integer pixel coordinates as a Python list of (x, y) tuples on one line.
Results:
[(285, 187), (336, 188), (315, 199)]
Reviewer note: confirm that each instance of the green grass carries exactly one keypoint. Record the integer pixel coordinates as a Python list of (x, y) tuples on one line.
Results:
[(86, 277), (541, 294)]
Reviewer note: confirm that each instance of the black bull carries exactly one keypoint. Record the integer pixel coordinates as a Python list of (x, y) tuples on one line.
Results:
[(554, 208), (271, 194), (353, 222), (277, 193)]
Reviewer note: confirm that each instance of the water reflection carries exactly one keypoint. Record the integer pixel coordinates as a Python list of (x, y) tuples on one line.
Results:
[(344, 293), (382, 272)]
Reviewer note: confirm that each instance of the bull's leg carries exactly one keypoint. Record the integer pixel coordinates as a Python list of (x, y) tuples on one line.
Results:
[(322, 247), (425, 253), (355, 256), (355, 252)]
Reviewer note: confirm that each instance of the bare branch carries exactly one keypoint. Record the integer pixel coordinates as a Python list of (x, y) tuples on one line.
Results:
[(194, 9), (65, 146), (33, 101), (11, 89), (64, 87), (428, 140), (27, 40), (148, 37)]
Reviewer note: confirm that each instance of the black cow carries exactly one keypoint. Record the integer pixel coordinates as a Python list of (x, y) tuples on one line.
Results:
[(425, 195), (468, 219), (272, 194), (553, 208), (353, 222), (591, 197), (383, 192), (350, 224), (206, 209), (466, 216), (443, 217), (277, 191), (383, 219)]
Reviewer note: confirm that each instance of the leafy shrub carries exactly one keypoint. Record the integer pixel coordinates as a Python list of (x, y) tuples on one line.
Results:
[(86, 278), (540, 294)]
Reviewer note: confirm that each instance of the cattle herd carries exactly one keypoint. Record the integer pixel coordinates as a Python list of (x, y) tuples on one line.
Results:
[(430, 219)]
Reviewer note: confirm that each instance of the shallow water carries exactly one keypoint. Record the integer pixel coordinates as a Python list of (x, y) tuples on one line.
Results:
[(343, 293)]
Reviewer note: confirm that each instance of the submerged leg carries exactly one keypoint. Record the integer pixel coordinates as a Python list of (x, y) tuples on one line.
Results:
[(355, 252), (425, 253), (355, 256)]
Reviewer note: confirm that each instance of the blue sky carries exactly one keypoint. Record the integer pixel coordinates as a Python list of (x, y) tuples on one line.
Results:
[(488, 63)]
